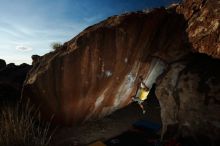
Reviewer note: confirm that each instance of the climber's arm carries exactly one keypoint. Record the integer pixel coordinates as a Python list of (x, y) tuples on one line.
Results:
[(144, 85)]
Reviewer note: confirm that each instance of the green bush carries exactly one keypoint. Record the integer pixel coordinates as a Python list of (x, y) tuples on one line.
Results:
[(18, 127), (56, 45)]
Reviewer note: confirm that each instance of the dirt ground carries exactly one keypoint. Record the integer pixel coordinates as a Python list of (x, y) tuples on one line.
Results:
[(106, 128)]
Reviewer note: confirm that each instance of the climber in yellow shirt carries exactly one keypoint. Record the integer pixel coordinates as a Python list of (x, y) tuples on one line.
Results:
[(141, 94)]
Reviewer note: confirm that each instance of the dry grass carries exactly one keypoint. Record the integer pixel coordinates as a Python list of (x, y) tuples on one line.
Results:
[(19, 127)]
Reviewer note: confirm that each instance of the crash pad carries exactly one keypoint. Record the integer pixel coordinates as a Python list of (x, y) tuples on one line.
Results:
[(147, 125)]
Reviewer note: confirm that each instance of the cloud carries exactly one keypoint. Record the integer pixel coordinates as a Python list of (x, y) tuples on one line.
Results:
[(23, 48)]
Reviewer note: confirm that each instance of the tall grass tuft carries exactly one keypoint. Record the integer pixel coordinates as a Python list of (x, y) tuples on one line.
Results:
[(19, 127)]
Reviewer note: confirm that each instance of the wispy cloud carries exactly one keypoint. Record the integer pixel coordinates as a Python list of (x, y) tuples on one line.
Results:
[(32, 39), (23, 48)]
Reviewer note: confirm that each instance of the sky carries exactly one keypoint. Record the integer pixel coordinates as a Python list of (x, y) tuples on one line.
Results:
[(29, 27)]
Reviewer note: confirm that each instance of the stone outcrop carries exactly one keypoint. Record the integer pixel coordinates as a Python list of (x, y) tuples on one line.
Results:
[(96, 72), (188, 91), (11, 81), (203, 29), (35, 59), (189, 95)]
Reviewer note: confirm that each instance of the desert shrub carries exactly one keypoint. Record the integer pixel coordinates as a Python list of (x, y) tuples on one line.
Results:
[(18, 127), (56, 45)]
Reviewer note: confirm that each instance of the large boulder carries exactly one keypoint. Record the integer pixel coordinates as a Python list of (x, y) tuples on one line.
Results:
[(95, 73)]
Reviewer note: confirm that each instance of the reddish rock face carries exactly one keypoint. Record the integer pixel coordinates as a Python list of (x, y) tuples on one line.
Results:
[(188, 91), (96, 72), (203, 25)]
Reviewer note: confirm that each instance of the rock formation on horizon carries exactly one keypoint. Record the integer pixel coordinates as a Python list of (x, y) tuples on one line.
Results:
[(11, 81), (96, 72), (2, 64)]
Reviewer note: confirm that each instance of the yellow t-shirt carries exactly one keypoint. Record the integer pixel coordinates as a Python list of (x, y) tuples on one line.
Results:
[(143, 94)]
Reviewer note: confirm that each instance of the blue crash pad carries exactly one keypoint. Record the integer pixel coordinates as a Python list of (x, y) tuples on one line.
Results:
[(147, 126)]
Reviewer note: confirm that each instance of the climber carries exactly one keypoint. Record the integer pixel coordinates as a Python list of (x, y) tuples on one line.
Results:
[(141, 94)]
